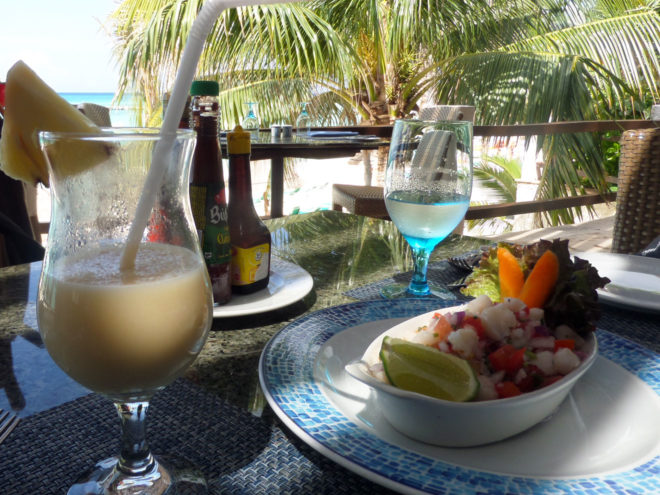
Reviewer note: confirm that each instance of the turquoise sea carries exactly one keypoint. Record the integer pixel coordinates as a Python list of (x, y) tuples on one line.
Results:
[(122, 114)]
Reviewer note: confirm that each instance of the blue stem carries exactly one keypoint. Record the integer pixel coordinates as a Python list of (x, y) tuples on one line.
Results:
[(418, 285)]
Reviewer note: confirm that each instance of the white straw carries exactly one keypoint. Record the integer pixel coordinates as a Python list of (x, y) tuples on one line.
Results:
[(200, 30)]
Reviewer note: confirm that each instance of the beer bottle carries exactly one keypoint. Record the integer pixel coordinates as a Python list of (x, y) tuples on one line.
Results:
[(250, 238), (207, 189), (158, 227), (184, 121)]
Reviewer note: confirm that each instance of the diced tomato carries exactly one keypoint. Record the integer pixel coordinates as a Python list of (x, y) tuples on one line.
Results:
[(507, 389), (523, 314), (568, 343), (549, 380), (533, 370), (507, 358), (475, 323), (526, 384), (532, 381)]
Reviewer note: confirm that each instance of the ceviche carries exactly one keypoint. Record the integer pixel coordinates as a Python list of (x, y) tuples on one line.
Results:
[(507, 345), (526, 331)]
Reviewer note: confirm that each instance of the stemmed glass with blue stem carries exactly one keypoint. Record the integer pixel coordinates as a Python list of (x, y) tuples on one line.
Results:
[(304, 121), (428, 184), (250, 122)]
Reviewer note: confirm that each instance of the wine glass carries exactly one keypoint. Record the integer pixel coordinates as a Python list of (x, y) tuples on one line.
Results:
[(250, 122), (123, 333), (428, 184), (304, 121)]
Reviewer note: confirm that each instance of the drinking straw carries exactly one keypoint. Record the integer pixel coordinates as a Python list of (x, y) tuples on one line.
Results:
[(200, 30)]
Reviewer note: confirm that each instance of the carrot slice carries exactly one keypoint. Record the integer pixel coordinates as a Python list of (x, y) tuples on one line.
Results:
[(541, 281), (510, 274)]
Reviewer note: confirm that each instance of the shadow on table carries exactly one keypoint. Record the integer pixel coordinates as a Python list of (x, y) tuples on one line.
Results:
[(8, 380), (269, 318)]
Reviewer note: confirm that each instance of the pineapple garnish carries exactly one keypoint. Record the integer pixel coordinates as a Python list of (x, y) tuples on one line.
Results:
[(33, 106)]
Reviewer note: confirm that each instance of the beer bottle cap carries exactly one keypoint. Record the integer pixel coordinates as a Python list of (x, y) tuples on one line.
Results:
[(205, 88), (238, 141)]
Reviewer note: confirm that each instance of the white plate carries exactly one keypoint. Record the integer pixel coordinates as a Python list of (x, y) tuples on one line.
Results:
[(605, 437), (635, 280), (288, 283)]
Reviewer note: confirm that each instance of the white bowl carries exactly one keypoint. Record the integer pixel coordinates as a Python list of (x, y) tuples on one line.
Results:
[(462, 424)]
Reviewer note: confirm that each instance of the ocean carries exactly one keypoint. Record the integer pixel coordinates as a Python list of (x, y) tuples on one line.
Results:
[(122, 114)]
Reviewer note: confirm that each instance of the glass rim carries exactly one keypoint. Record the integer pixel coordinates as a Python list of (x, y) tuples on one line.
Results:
[(115, 133)]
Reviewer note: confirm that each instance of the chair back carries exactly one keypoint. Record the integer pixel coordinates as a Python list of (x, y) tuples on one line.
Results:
[(436, 151), (98, 114), (447, 112), (655, 112), (637, 217)]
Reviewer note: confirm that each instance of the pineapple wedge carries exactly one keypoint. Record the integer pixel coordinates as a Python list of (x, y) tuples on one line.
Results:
[(33, 106)]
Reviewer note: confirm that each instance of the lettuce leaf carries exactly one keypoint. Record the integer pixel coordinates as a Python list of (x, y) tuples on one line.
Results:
[(574, 301), (484, 277)]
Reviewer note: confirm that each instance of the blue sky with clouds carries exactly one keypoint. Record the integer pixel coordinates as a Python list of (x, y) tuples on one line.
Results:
[(63, 41)]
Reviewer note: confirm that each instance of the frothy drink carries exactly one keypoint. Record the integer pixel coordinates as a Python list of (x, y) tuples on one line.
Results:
[(123, 333)]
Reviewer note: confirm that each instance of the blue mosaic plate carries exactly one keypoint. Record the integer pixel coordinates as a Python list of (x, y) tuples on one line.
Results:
[(605, 438)]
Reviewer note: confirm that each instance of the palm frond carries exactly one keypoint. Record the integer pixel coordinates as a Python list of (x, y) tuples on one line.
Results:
[(499, 180), (566, 155), (527, 87), (526, 61), (511, 166), (626, 45)]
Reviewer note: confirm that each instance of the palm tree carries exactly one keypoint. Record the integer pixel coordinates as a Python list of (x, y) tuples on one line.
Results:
[(520, 61)]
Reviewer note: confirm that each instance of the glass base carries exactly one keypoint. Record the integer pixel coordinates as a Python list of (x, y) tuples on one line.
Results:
[(398, 291), (168, 476)]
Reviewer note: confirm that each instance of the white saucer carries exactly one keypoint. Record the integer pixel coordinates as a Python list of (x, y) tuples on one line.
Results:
[(288, 283), (635, 280)]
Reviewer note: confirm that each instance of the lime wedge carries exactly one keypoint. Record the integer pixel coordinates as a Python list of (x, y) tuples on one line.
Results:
[(428, 371)]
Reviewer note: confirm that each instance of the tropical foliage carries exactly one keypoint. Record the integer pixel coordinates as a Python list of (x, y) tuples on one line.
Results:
[(497, 175), (517, 61)]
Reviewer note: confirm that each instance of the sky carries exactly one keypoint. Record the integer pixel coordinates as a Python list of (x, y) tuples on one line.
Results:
[(63, 41)]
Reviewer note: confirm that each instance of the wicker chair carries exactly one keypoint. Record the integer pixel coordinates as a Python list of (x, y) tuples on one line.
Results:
[(447, 112), (637, 217), (361, 200), (98, 114), (368, 200)]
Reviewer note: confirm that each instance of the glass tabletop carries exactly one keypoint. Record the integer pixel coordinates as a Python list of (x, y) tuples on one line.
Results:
[(346, 256), (318, 139), (340, 251)]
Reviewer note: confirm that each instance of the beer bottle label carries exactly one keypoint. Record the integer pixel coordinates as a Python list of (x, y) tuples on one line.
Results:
[(249, 265), (210, 213)]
